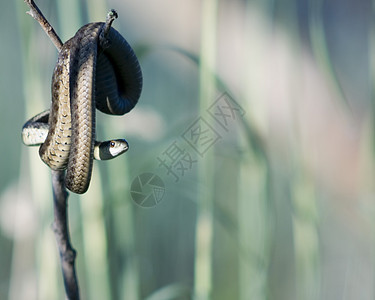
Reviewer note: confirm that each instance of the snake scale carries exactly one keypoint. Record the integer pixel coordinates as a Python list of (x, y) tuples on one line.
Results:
[(96, 68)]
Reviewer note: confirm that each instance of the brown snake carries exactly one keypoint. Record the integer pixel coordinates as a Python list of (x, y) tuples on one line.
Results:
[(95, 68)]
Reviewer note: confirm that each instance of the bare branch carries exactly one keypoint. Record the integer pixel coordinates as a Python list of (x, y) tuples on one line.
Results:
[(60, 194), (61, 230), (111, 16), (47, 27)]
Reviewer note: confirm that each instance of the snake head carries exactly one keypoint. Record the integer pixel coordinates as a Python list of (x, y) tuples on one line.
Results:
[(110, 149), (117, 147)]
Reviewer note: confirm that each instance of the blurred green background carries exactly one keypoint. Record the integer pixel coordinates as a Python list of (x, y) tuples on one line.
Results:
[(276, 204)]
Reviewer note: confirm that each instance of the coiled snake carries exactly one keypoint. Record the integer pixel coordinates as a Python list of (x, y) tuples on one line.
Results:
[(95, 68)]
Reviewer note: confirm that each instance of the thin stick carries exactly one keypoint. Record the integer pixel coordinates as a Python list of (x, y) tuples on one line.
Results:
[(47, 27), (61, 230), (60, 194), (111, 16)]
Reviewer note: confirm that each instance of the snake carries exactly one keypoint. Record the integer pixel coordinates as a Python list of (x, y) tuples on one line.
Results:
[(95, 69), (35, 131)]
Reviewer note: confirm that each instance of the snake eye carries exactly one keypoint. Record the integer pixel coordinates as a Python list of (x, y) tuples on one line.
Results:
[(112, 144)]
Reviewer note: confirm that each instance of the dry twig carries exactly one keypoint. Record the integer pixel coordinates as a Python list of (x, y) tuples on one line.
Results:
[(60, 194)]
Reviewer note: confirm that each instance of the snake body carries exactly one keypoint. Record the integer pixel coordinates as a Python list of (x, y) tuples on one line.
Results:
[(35, 131), (95, 68)]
